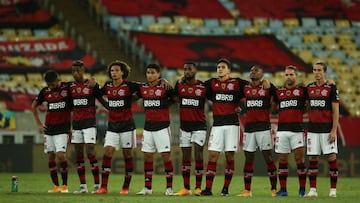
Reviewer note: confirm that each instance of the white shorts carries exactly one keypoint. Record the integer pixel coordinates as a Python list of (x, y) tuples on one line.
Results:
[(55, 143), (87, 135), (124, 140), (285, 141), (261, 139), (224, 138), (156, 140), (187, 138), (318, 142)]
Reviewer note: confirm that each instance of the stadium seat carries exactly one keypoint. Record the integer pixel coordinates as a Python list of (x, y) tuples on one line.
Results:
[(339, 54), (26, 33), (35, 80), (331, 61), (115, 22), (342, 23), (266, 30), (308, 22), (260, 22), (344, 38), (66, 77), (321, 54), (306, 56), (41, 33), (164, 19), (228, 22), (8, 32), (326, 23), (310, 38), (203, 30), (211, 23), (332, 46), (316, 46), (172, 28), (219, 31), (180, 20), (197, 22), (251, 30), (354, 55), (187, 29), (156, 27), (291, 22), (242, 23), (276, 24), (145, 20)]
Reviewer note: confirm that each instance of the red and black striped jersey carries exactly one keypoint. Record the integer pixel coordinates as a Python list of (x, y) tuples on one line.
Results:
[(156, 101), (191, 101), (321, 98), (119, 105), (58, 115), (291, 102), (225, 96), (83, 99), (258, 103)]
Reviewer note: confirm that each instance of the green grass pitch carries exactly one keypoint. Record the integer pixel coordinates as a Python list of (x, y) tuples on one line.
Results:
[(33, 188)]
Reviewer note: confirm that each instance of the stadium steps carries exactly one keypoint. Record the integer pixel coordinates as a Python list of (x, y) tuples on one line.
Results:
[(95, 40)]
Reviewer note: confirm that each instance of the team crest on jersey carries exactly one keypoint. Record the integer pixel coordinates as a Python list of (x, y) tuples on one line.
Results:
[(78, 90), (114, 92), (230, 86), (63, 93), (324, 93), (190, 90), (317, 92), (288, 92), (121, 92), (262, 92), (296, 92), (253, 92), (223, 85), (86, 90), (198, 92), (151, 92), (158, 92)]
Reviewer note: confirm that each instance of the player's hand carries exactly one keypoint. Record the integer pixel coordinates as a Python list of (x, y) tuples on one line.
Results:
[(91, 82), (181, 80), (265, 83), (238, 110), (332, 137), (41, 128), (330, 82), (164, 83)]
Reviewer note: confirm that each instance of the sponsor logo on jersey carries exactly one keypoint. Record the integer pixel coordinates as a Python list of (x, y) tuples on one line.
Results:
[(198, 92), (116, 103), (317, 103), (289, 103), (224, 97), (64, 93), (80, 102), (189, 102), (151, 103), (57, 105), (230, 86), (86, 90), (254, 103)]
